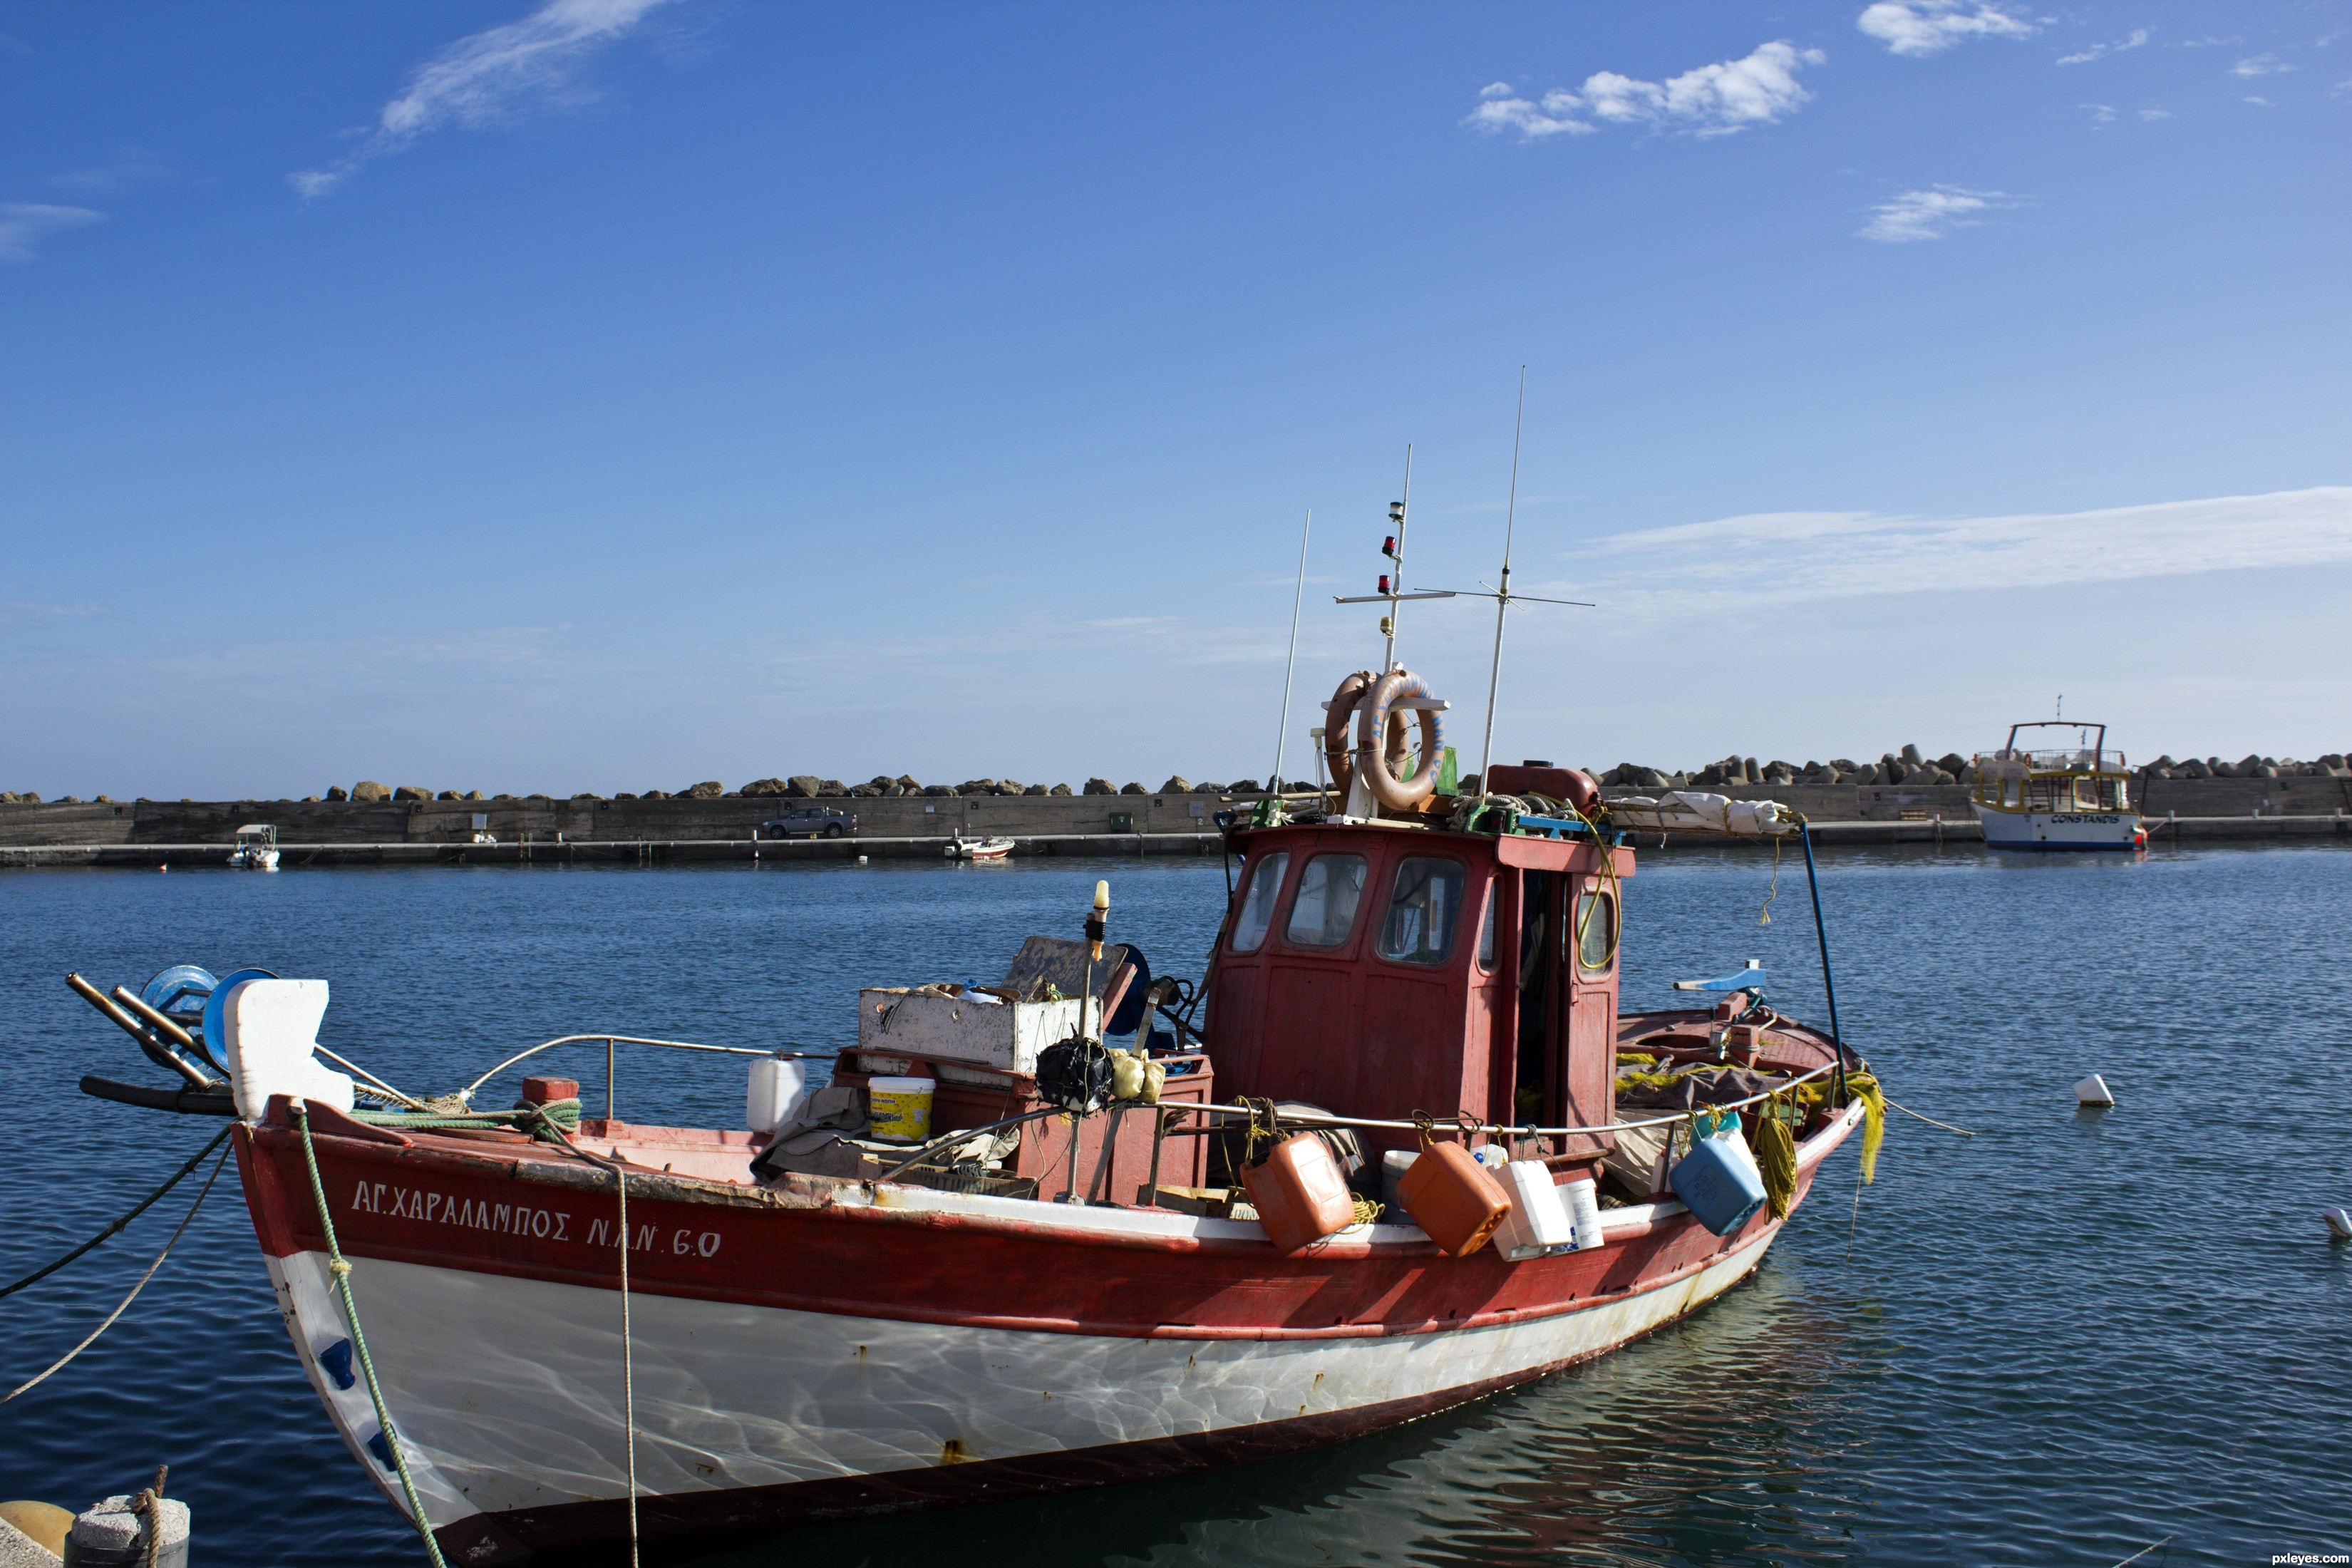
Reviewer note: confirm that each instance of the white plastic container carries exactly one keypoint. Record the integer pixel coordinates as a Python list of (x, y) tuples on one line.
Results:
[(1491, 1156), (901, 1108), (271, 1028), (1394, 1164), (1584, 1210), (779, 1089), (1538, 1221)]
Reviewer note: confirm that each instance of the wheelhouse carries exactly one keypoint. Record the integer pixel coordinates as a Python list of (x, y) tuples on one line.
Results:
[(1386, 971), (2086, 778)]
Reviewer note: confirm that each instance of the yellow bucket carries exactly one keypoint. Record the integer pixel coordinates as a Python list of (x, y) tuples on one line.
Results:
[(901, 1108)]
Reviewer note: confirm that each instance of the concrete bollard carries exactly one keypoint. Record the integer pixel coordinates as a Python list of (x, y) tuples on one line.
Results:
[(113, 1536)]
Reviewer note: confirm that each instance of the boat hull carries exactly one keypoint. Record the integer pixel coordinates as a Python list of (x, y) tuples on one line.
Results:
[(2060, 830), (769, 1389)]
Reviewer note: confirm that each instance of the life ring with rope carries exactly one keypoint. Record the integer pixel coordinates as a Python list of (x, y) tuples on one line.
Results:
[(1338, 715), (1379, 720)]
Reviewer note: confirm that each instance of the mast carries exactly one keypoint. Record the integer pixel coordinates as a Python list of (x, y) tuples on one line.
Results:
[(1396, 587)]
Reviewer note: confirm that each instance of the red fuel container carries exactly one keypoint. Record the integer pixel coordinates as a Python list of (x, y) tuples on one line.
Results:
[(1450, 1195), (1300, 1193)]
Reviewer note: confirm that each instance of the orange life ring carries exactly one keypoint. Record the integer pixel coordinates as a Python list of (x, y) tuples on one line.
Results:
[(1377, 719), (1336, 716)]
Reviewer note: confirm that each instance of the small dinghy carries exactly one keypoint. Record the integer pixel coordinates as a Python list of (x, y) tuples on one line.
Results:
[(1396, 1150), (965, 848)]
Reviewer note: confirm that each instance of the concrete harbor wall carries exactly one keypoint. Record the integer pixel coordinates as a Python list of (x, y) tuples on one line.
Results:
[(543, 830)]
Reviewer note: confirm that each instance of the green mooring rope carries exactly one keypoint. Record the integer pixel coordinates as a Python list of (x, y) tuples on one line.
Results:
[(554, 1121), (341, 1271)]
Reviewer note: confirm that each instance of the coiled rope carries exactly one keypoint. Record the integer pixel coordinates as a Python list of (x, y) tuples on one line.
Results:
[(125, 1303), (341, 1271)]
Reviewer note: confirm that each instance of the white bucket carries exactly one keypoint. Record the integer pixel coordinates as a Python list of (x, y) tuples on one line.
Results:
[(1538, 1221), (779, 1087), (1584, 1210), (901, 1108)]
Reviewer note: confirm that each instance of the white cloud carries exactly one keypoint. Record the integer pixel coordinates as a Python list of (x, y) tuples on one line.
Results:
[(2101, 113), (2259, 65), (1917, 27), (1852, 554), (2100, 51), (24, 224), (1930, 213), (1715, 99), (2261, 102), (2155, 114), (490, 78)]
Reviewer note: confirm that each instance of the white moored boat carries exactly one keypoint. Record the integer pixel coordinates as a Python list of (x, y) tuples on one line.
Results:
[(2078, 799), (257, 849)]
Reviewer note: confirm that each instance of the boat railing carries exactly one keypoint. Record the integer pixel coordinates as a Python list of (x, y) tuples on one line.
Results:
[(1307, 1120), (2078, 762), (1312, 1119), (1301, 1119), (611, 1074)]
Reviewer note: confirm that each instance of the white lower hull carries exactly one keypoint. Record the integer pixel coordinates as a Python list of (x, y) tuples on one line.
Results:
[(2059, 829), (508, 1392)]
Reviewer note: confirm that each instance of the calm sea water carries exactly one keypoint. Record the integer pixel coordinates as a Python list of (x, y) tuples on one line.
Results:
[(2067, 1338)]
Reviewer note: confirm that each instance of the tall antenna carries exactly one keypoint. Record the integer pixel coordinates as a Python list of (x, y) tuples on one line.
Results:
[(1503, 589), (1297, 598), (1501, 594)]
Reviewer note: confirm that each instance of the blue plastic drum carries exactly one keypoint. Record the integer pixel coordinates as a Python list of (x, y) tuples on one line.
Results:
[(217, 1009), (180, 991)]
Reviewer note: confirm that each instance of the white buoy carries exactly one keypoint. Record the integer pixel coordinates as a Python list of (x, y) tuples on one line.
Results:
[(2093, 1091), (861, 860), (2340, 1223)]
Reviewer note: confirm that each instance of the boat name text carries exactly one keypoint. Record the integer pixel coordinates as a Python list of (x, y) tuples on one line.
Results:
[(520, 1220)]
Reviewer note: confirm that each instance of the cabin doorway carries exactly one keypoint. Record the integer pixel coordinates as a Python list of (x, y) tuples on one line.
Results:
[(1532, 1083), (1565, 1061)]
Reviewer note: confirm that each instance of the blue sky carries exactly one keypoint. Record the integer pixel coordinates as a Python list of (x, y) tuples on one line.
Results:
[(608, 394)]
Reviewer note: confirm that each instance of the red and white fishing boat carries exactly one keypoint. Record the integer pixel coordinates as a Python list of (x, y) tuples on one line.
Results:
[(751, 1347)]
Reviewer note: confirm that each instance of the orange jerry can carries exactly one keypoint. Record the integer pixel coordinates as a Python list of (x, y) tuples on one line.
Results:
[(1300, 1193), (1450, 1195)]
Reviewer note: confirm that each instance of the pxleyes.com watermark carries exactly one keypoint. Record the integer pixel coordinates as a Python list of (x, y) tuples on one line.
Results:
[(2306, 1559)]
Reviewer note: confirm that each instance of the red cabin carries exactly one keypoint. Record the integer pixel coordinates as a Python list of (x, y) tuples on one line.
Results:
[(1384, 969)]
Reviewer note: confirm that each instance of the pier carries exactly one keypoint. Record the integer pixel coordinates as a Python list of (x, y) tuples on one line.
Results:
[(585, 829)]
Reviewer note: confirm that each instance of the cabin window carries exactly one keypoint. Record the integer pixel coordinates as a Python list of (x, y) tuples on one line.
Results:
[(2011, 793), (1596, 931), (1487, 930), (1323, 911), (1424, 907), (1257, 906)]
